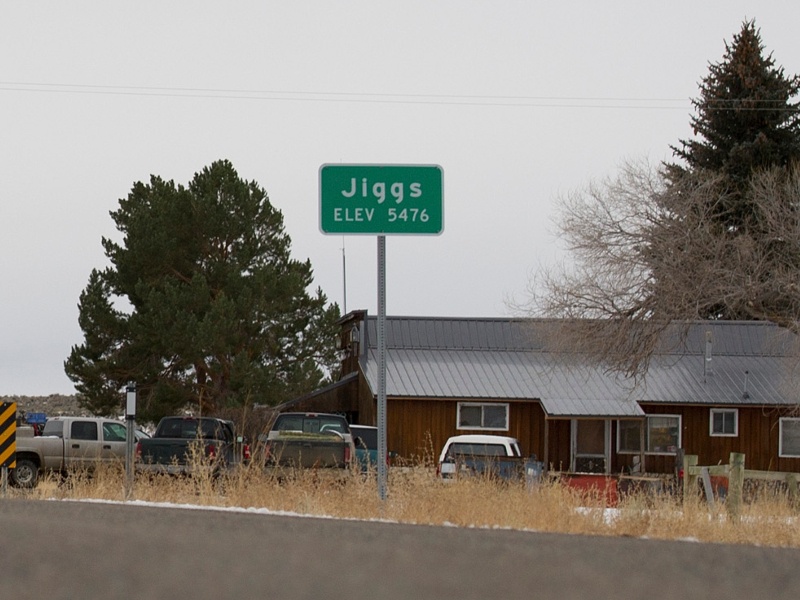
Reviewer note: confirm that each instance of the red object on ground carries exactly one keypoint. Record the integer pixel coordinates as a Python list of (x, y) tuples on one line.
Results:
[(603, 485)]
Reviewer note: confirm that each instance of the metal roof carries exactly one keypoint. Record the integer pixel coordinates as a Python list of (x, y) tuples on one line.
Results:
[(742, 380), (507, 359), (502, 375)]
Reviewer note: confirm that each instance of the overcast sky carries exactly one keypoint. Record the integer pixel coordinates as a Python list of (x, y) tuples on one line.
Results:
[(517, 101)]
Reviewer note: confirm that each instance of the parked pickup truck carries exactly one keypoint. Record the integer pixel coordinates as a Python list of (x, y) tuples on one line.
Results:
[(67, 443), (307, 441), (487, 455), (190, 445), (365, 438)]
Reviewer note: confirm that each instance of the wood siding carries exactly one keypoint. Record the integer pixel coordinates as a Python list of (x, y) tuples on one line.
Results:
[(417, 429), (367, 404), (757, 439), (560, 444)]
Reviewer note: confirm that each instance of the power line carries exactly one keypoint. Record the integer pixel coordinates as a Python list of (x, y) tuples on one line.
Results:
[(358, 97), (312, 93), (387, 98)]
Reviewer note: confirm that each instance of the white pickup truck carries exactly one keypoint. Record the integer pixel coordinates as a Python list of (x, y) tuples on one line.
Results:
[(67, 443), (489, 455)]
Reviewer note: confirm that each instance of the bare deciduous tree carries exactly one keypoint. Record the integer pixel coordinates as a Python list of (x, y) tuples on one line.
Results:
[(715, 238), (649, 256)]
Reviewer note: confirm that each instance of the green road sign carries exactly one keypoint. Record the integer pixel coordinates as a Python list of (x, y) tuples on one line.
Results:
[(381, 199)]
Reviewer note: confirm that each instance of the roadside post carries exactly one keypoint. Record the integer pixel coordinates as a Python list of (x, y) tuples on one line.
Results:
[(130, 436), (381, 200), (8, 442), (383, 450)]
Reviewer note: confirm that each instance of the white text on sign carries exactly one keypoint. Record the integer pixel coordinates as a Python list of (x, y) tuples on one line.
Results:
[(378, 189)]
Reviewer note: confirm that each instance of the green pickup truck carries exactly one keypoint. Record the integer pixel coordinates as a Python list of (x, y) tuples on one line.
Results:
[(299, 441), (185, 445)]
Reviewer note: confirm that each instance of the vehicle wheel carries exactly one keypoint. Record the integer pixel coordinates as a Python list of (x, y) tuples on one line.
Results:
[(25, 474)]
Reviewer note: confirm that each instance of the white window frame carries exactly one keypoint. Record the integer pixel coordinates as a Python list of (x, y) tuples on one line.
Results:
[(713, 411), (781, 452), (481, 405), (647, 436)]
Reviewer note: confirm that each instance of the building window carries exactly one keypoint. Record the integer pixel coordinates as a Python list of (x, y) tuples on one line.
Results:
[(628, 437), (473, 415), (724, 422), (789, 445), (662, 435)]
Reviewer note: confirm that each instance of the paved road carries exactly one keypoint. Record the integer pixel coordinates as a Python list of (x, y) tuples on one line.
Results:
[(72, 550)]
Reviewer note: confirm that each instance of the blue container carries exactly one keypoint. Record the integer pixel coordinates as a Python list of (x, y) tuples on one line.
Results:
[(36, 418)]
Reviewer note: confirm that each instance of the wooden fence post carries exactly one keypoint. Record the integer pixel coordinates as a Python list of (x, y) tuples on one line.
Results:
[(689, 478), (791, 484), (705, 476), (735, 484)]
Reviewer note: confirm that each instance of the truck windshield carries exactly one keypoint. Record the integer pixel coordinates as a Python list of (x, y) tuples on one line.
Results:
[(462, 449), (318, 424), (368, 435), (188, 429)]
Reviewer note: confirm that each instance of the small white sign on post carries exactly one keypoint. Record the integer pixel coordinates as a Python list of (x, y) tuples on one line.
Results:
[(130, 405)]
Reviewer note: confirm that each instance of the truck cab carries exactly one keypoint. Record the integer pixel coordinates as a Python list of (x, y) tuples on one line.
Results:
[(480, 454)]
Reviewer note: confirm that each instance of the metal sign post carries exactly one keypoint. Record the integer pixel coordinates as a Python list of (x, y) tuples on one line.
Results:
[(382, 449), (130, 437)]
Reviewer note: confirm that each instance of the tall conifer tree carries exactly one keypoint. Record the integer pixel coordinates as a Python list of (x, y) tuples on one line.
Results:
[(219, 313), (746, 121)]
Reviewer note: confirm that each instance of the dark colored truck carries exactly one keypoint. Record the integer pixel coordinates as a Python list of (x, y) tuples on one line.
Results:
[(307, 441), (191, 445), (365, 438)]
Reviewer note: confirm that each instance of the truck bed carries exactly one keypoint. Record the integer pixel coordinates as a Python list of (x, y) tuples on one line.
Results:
[(298, 450), (509, 468), (171, 451)]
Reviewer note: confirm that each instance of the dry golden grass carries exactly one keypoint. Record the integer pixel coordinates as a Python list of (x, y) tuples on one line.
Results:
[(415, 495)]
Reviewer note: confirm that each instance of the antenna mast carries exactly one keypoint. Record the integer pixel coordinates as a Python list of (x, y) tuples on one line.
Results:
[(344, 277)]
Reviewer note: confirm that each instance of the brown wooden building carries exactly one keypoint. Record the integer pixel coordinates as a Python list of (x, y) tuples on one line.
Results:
[(731, 387)]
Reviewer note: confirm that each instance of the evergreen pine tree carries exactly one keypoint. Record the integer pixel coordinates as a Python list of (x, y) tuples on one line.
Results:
[(746, 121), (219, 314)]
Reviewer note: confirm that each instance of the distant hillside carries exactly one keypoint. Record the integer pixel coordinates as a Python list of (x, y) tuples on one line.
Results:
[(52, 405)]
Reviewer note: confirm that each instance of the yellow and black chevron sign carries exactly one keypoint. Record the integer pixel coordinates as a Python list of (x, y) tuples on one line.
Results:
[(8, 434)]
